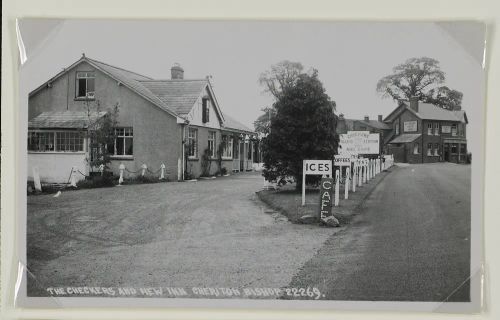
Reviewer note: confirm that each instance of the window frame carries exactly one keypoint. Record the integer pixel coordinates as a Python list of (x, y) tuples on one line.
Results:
[(227, 152), (454, 129), (192, 146), (416, 148), (429, 150), (205, 110), (454, 146), (212, 143), (56, 139), (436, 128), (77, 85), (430, 131), (436, 149), (124, 137)]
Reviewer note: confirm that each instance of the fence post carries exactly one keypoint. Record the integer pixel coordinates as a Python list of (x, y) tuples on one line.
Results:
[(354, 179), (162, 174), (346, 184), (337, 187), (101, 169), (122, 168), (144, 168), (73, 178)]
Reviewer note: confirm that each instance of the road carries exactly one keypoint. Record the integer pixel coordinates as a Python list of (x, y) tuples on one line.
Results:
[(210, 233), (410, 241)]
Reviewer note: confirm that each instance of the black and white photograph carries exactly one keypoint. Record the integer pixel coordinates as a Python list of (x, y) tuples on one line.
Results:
[(252, 163)]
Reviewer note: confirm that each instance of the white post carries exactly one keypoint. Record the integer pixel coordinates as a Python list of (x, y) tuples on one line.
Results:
[(303, 182), (360, 173), (101, 169), (122, 169), (179, 169), (346, 185), (162, 174), (369, 175), (337, 187), (365, 167), (73, 177), (144, 167), (354, 180)]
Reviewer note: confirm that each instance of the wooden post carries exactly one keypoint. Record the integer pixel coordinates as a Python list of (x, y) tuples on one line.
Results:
[(73, 177), (144, 167), (162, 174), (122, 168), (354, 179), (303, 182), (346, 184), (337, 187)]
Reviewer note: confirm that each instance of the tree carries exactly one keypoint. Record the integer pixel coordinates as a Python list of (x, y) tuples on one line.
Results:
[(282, 75), (303, 128), (419, 77), (263, 122)]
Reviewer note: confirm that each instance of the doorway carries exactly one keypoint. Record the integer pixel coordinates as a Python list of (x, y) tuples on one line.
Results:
[(447, 152)]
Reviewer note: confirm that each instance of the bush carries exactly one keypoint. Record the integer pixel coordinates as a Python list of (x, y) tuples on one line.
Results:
[(223, 171), (97, 182)]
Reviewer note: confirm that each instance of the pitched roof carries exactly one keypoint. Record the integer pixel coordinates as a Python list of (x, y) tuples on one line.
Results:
[(231, 123), (64, 119), (375, 124), (428, 111), (406, 137), (180, 95)]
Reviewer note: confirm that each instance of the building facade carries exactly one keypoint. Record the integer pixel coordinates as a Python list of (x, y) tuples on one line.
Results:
[(176, 122), (423, 133)]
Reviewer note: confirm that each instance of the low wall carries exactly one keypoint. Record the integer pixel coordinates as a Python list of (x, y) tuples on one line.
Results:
[(55, 167)]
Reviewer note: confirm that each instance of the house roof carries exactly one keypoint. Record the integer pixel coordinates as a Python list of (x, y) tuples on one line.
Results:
[(231, 123), (375, 124), (428, 111), (64, 119), (406, 137), (179, 95)]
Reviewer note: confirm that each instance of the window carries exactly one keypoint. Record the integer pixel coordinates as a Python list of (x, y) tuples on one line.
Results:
[(436, 129), (205, 116), (228, 146), (212, 143), (60, 141), (454, 129), (463, 148), (461, 129), (429, 149), (396, 127), (85, 85), (192, 145), (124, 141), (436, 149), (429, 128), (416, 147), (454, 148)]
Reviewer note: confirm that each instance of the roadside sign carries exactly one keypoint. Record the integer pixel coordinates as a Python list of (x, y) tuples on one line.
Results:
[(314, 167), (325, 198), (342, 160), (359, 142)]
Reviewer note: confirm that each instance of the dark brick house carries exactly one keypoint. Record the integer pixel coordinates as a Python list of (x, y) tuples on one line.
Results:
[(169, 122), (373, 126), (423, 133)]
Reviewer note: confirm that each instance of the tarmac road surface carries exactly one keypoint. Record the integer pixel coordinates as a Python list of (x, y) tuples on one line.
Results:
[(410, 241)]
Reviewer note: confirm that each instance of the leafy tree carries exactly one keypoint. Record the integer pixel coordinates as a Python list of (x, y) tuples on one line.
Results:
[(263, 122), (303, 128), (419, 77), (282, 75)]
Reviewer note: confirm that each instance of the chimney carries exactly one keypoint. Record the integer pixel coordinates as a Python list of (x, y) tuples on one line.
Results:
[(367, 118), (380, 118), (341, 116), (177, 72), (414, 103)]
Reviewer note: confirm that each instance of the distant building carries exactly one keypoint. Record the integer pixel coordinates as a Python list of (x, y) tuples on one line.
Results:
[(169, 122), (422, 132)]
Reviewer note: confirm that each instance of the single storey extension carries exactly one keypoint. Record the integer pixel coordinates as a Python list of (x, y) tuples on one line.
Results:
[(176, 122)]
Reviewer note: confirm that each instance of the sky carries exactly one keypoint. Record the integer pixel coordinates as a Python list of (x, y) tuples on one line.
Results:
[(349, 56)]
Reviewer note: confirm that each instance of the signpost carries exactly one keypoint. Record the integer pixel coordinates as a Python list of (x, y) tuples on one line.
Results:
[(359, 142), (314, 167), (325, 198)]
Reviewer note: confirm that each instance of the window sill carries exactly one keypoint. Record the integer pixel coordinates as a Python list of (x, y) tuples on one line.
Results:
[(116, 157), (84, 99), (56, 152)]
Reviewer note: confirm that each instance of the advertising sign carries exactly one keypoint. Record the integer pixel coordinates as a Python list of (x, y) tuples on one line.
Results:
[(359, 142), (410, 126), (342, 160), (446, 129), (325, 198), (314, 167)]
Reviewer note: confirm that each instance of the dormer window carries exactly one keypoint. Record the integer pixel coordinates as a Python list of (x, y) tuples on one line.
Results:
[(205, 109), (85, 85)]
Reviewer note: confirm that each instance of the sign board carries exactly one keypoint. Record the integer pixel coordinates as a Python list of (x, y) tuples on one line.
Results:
[(342, 160), (446, 129), (410, 126), (314, 167), (325, 198), (359, 142)]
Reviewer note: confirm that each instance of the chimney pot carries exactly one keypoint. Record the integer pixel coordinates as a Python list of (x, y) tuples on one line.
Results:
[(177, 72), (341, 116), (379, 118), (414, 103), (367, 118)]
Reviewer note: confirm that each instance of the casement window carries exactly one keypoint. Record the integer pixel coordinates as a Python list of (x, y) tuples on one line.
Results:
[(192, 143), (463, 148), (205, 109), (85, 85), (436, 129), (416, 148), (436, 149), (429, 149), (212, 143), (454, 147), (429, 128), (454, 129), (124, 142), (228, 147), (55, 141)]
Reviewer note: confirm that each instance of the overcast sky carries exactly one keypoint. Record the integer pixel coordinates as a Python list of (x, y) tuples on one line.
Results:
[(350, 57)]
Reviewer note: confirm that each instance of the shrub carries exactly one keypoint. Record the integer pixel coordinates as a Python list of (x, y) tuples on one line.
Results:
[(223, 171), (97, 182)]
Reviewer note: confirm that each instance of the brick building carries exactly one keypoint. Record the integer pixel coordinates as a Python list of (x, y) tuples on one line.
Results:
[(373, 126), (423, 132), (171, 122)]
